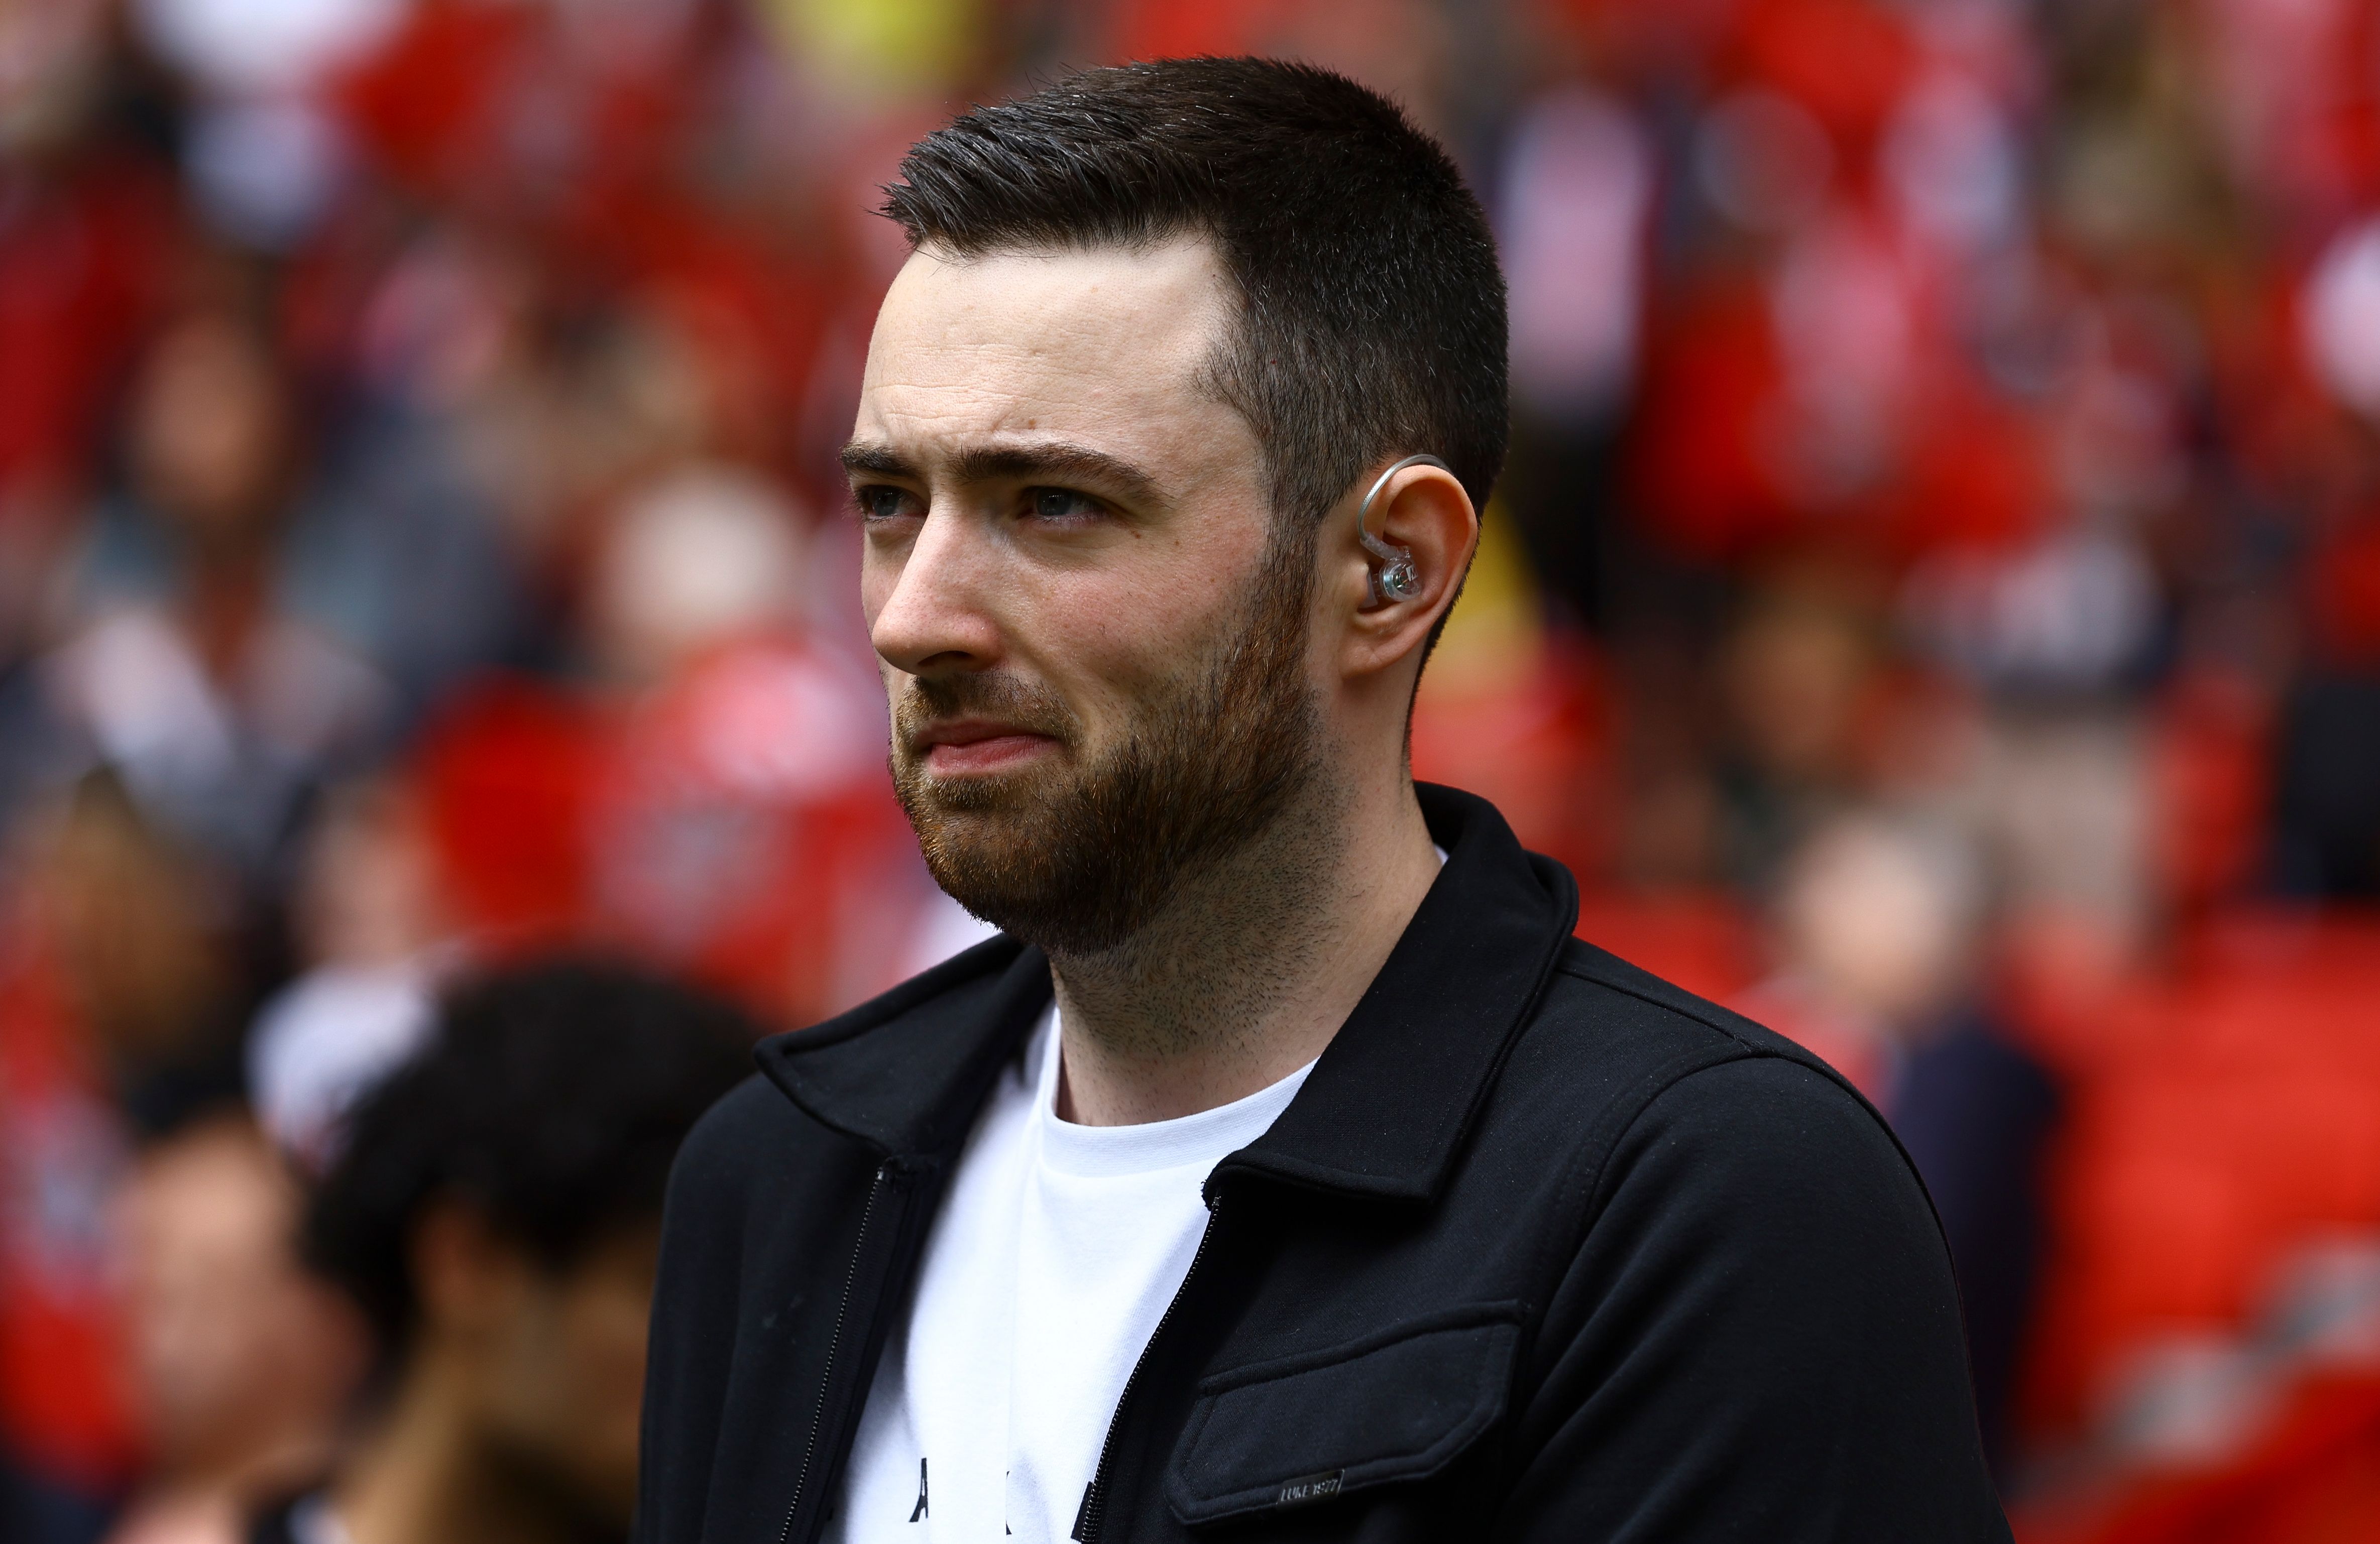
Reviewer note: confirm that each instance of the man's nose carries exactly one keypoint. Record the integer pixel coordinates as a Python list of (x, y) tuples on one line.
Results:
[(935, 616)]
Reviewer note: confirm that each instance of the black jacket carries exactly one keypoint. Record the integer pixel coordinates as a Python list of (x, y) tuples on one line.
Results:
[(1544, 1249)]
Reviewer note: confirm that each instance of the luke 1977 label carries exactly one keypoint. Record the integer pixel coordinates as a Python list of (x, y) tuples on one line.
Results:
[(1313, 1488)]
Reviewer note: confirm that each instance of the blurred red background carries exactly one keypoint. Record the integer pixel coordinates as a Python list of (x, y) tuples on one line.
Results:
[(1933, 604)]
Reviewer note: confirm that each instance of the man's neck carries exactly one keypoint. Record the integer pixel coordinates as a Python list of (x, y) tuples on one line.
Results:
[(1252, 968)]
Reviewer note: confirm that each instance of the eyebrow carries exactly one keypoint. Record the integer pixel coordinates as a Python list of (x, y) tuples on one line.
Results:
[(1054, 460), (865, 458)]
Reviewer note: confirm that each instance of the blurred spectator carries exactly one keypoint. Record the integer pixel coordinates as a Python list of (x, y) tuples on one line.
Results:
[(711, 793), (1876, 927), (495, 1213), (1797, 674), (90, 225), (125, 1342), (2328, 821), (372, 932), (66, 1420), (241, 1361), (142, 938), (187, 671), (744, 832), (1573, 222), (260, 154)]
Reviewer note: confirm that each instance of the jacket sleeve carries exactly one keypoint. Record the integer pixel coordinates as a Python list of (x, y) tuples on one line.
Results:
[(1758, 1338), (691, 1338)]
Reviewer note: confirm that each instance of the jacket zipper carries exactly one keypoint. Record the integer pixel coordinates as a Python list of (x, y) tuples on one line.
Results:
[(1093, 1516), (833, 1343)]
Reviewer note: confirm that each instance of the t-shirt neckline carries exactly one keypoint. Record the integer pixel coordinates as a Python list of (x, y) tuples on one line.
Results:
[(1107, 1152), (1104, 1151)]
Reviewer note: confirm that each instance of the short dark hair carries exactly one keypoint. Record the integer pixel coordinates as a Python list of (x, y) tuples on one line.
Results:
[(1373, 309), (551, 1101)]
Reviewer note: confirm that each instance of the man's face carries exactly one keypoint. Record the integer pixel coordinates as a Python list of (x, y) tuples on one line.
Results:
[(1092, 632)]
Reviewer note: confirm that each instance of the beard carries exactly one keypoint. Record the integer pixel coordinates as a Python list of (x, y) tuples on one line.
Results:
[(1080, 853)]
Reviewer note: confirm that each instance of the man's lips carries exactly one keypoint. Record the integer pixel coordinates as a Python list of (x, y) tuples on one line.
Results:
[(965, 746)]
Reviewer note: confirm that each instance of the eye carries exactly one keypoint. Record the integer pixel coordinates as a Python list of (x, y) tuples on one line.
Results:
[(880, 501), (1061, 504)]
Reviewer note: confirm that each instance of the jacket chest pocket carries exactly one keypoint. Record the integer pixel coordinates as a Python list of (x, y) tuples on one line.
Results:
[(1400, 1405)]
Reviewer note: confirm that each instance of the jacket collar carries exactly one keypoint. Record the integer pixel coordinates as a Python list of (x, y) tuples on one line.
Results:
[(907, 1072), (1386, 1109), (1382, 1114)]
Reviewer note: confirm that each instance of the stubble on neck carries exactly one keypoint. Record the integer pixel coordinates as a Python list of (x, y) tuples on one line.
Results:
[(1192, 1002)]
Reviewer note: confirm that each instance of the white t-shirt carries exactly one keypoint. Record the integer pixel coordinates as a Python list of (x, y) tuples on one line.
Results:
[(1057, 1250)]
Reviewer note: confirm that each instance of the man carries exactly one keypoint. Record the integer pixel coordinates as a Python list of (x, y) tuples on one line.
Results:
[(495, 1213), (1287, 1166)]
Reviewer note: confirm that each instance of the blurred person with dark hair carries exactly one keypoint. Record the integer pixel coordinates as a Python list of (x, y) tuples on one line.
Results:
[(494, 1211), (1286, 1164), (147, 957), (1795, 672)]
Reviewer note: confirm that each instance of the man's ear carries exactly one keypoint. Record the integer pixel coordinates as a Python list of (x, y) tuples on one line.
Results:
[(465, 1277), (1425, 513)]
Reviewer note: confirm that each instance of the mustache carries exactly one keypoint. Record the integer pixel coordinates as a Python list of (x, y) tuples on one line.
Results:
[(1000, 695)]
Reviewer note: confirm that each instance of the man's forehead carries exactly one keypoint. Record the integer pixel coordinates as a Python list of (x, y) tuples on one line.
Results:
[(1007, 340)]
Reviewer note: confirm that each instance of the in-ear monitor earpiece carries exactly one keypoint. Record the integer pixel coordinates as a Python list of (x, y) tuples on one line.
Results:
[(1396, 579)]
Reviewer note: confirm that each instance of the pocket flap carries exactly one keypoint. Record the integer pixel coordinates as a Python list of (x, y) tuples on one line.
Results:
[(1301, 1429)]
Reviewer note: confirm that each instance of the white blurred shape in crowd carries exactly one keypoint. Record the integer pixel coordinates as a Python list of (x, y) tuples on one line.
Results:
[(220, 761), (374, 933), (263, 47), (2071, 613), (265, 170), (1763, 162), (2186, 1398), (324, 1040), (708, 553), (1578, 183), (264, 160), (2341, 317)]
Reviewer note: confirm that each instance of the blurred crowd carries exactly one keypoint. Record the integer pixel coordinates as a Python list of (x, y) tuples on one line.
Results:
[(1933, 606)]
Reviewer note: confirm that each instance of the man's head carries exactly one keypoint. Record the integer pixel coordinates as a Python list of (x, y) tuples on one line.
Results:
[(1164, 325), (496, 1210)]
